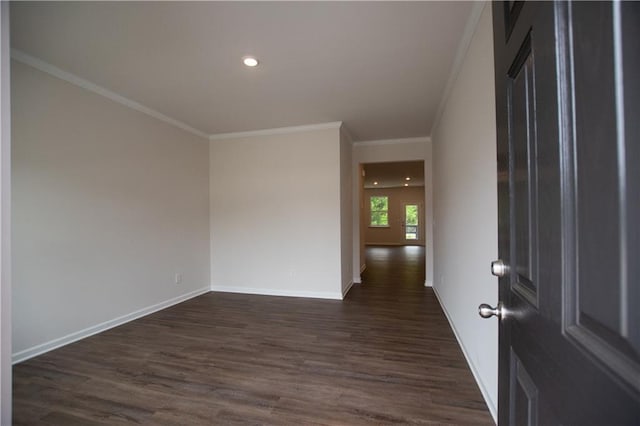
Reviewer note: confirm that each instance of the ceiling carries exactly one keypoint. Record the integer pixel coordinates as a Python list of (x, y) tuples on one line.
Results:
[(394, 175), (379, 67)]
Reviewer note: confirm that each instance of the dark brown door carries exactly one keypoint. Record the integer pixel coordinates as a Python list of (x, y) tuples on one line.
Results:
[(568, 115)]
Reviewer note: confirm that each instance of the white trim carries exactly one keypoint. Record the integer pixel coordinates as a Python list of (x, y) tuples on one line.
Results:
[(276, 292), (493, 409), (345, 132), (420, 139), (98, 328), (461, 53), (45, 67), (5, 219), (428, 283), (346, 290), (276, 131)]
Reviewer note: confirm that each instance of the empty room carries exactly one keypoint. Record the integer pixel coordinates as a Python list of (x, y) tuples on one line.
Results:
[(332, 213)]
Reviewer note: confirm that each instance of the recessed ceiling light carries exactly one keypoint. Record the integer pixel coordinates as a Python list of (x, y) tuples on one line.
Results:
[(375, 183), (250, 61), (407, 178), (406, 184)]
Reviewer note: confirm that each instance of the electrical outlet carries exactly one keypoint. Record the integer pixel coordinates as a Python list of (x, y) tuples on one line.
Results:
[(178, 278)]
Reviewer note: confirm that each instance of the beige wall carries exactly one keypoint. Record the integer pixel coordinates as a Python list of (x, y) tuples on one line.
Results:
[(465, 202), (276, 214), (394, 233), (108, 205)]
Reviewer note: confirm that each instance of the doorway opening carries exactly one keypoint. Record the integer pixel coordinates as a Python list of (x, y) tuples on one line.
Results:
[(392, 204)]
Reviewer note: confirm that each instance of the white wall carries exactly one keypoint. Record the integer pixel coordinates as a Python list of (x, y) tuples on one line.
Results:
[(465, 200), (276, 214), (5, 219), (392, 151), (108, 205)]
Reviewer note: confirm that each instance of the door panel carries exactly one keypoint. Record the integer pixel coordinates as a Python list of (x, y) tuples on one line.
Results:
[(595, 178), (567, 99), (599, 192), (524, 395), (522, 146)]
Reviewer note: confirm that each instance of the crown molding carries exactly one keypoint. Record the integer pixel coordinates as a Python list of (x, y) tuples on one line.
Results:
[(461, 53), (276, 131), (421, 139), (45, 67), (54, 71), (347, 133)]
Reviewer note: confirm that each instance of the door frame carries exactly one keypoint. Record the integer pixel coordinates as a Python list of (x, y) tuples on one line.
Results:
[(5, 218), (393, 150)]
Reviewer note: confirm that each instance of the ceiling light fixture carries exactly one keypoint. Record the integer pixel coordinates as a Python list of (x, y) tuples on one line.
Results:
[(406, 184), (407, 178), (250, 61), (375, 183)]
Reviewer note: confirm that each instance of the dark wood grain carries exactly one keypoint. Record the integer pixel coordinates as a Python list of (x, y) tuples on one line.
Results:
[(566, 91), (384, 355)]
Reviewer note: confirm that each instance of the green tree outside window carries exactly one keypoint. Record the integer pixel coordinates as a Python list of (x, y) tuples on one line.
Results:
[(411, 214), (379, 211)]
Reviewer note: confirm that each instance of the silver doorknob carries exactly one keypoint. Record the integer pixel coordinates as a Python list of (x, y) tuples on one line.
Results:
[(499, 268), (486, 311)]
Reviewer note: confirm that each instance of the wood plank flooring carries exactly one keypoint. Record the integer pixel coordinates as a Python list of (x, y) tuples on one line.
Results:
[(384, 355)]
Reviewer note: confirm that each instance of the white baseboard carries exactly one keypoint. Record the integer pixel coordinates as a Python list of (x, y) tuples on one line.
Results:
[(277, 292), (98, 328), (428, 283), (493, 409), (346, 290)]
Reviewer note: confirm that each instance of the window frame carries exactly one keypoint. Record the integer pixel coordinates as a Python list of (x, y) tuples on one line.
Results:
[(371, 211)]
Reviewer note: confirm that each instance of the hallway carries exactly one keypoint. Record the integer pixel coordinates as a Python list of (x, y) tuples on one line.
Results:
[(395, 268), (384, 355)]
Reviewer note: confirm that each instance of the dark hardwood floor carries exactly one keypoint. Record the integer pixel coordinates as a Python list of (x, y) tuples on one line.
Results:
[(385, 354)]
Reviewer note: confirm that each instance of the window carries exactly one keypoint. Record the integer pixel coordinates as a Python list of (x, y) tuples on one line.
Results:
[(411, 222), (379, 211)]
